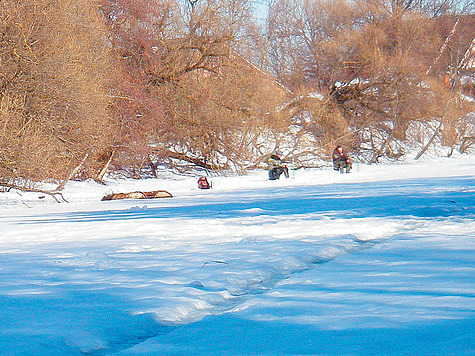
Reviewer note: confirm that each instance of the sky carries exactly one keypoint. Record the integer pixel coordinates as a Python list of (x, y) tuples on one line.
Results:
[(377, 261), (260, 9)]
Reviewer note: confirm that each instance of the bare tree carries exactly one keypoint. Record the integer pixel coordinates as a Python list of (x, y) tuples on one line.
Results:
[(54, 92), (370, 57), (187, 58)]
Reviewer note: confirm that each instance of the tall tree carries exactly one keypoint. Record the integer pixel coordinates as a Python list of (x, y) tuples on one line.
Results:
[(184, 57), (54, 105), (370, 57)]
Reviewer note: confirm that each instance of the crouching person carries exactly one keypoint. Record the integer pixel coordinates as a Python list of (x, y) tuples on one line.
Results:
[(203, 183), (276, 167)]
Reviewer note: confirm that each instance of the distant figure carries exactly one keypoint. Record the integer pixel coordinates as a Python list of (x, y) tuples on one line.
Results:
[(341, 161), (276, 167), (203, 183)]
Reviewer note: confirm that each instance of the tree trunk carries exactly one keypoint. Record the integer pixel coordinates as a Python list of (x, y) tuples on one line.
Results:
[(378, 153), (442, 49), (197, 161), (71, 175), (153, 166), (450, 153), (426, 146), (101, 174)]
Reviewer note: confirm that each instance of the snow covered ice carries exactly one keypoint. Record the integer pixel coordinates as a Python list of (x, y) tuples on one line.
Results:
[(379, 261)]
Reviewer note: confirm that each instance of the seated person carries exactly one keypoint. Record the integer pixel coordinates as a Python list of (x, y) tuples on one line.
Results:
[(341, 159), (276, 167)]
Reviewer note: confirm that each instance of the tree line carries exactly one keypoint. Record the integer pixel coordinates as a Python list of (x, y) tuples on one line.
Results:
[(89, 87)]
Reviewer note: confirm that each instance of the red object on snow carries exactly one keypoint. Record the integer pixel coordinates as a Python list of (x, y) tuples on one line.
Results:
[(203, 183)]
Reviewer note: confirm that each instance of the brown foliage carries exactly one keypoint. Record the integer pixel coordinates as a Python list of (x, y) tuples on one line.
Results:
[(54, 90), (372, 58), (135, 83), (195, 93)]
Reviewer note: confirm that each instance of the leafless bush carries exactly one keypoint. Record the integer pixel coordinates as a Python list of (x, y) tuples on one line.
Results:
[(54, 88)]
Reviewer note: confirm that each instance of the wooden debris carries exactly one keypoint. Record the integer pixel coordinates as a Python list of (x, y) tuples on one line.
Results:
[(138, 195)]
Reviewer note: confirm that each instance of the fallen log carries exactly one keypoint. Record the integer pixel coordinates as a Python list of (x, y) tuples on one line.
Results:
[(138, 195)]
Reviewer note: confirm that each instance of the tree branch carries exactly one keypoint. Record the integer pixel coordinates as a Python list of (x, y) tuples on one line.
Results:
[(71, 175), (55, 194)]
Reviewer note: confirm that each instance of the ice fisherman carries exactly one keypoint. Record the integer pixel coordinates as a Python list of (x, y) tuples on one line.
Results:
[(276, 167), (341, 160)]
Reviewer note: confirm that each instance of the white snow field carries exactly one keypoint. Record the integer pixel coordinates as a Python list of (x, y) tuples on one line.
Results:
[(376, 262)]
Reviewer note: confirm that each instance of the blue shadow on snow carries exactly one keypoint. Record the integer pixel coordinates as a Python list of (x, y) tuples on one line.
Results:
[(426, 198)]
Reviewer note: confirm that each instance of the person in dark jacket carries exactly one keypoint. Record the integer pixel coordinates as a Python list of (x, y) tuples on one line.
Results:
[(276, 167), (341, 160)]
